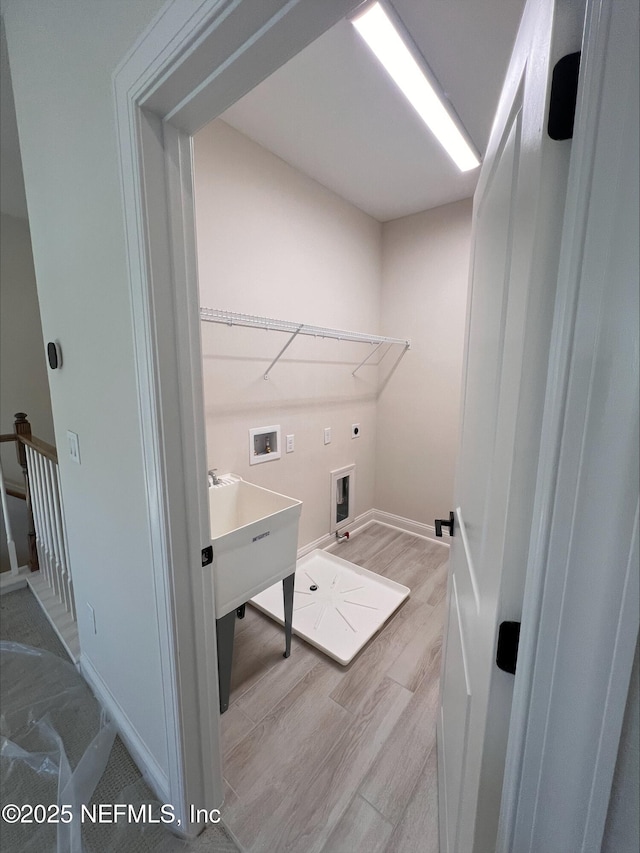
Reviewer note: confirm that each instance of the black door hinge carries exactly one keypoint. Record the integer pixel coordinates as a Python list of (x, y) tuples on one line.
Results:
[(564, 97), (442, 522), (207, 556), (507, 651)]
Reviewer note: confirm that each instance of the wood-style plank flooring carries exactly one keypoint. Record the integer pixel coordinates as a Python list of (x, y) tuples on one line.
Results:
[(321, 758)]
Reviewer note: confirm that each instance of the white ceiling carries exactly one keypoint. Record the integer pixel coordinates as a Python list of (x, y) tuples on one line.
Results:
[(333, 113)]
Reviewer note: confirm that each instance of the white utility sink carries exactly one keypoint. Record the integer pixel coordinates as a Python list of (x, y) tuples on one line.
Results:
[(254, 534)]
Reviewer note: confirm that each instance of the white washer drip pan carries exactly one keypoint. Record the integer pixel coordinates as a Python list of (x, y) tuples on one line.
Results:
[(346, 608)]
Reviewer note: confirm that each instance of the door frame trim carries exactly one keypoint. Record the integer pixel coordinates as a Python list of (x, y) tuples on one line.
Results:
[(165, 89), (552, 596)]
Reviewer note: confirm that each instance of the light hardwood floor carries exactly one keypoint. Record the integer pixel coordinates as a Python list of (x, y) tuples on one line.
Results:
[(321, 758)]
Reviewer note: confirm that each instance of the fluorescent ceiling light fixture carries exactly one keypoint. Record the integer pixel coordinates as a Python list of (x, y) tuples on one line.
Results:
[(376, 28)]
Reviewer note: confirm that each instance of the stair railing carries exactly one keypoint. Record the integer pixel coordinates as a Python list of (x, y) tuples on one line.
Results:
[(11, 545), (46, 530)]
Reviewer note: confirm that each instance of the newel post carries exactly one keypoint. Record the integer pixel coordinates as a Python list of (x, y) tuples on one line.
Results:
[(22, 427)]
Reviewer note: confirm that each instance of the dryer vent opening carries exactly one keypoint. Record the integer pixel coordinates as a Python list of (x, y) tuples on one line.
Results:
[(342, 502)]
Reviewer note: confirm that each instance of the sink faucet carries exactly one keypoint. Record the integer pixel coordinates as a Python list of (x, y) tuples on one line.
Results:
[(214, 480)]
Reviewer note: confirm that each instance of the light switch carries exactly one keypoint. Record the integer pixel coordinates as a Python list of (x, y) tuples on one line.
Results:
[(327, 435)]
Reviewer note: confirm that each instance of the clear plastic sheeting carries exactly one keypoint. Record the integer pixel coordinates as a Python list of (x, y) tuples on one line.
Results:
[(55, 743)]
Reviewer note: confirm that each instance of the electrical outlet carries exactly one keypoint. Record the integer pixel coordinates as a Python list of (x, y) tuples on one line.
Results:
[(92, 617), (327, 435), (73, 443), (355, 430), (290, 443)]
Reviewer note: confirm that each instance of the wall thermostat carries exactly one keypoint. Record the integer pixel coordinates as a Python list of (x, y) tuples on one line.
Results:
[(54, 354)]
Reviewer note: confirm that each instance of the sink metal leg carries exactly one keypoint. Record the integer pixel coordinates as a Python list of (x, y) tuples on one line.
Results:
[(287, 593), (225, 628)]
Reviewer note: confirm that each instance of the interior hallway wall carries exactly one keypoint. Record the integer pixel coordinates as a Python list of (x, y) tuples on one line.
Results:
[(24, 386), (63, 54), (425, 270), (275, 243)]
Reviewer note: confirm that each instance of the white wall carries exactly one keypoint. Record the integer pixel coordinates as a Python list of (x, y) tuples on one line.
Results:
[(12, 198), (24, 386), (275, 243), (63, 54), (425, 271)]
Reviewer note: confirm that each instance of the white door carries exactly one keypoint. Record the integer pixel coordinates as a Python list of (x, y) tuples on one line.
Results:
[(518, 210)]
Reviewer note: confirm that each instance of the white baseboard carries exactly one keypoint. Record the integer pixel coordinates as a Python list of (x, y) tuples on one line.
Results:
[(60, 620), (416, 528), (153, 774)]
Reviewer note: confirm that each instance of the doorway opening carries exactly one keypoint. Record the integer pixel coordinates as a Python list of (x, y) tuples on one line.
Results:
[(275, 242)]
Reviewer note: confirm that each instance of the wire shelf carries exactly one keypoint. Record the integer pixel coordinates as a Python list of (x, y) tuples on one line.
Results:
[(231, 318)]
